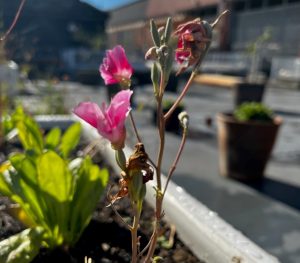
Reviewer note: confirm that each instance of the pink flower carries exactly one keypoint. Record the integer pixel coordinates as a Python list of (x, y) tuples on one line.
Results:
[(115, 67), (192, 42), (110, 122)]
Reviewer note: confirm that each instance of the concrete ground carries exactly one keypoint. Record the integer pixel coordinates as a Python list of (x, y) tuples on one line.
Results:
[(267, 212)]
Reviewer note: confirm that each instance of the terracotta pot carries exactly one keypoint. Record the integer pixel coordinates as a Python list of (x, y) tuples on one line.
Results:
[(245, 147), (247, 92)]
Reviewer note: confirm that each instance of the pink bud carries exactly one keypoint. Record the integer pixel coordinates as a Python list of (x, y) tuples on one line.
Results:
[(115, 67)]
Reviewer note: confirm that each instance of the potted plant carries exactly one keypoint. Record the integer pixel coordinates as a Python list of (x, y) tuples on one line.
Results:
[(252, 89), (246, 140)]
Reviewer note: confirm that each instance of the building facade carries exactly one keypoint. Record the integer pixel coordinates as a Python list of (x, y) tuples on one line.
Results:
[(247, 20)]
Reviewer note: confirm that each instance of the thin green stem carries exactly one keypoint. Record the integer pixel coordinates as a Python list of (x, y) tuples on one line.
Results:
[(14, 21), (134, 127), (158, 212), (173, 167), (178, 100), (1, 113), (134, 234), (119, 216)]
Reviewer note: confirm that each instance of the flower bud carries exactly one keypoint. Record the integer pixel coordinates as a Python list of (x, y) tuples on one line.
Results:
[(136, 187), (121, 159), (184, 119), (151, 54), (163, 50), (155, 76)]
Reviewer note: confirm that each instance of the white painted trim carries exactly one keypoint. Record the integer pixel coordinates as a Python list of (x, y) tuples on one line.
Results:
[(202, 230), (209, 237)]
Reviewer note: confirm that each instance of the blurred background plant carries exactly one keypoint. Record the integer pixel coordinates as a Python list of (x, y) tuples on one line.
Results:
[(254, 50), (253, 111), (50, 188)]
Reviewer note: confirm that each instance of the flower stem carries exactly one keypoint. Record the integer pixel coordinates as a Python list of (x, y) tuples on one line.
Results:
[(173, 167), (158, 212), (134, 234), (213, 25), (14, 21), (184, 91), (134, 127)]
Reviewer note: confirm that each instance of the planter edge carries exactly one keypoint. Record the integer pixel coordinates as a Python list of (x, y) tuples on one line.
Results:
[(201, 229)]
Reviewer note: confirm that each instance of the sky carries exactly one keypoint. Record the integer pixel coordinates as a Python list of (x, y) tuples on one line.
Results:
[(106, 5)]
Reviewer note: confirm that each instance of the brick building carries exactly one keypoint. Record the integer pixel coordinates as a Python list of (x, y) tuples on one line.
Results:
[(247, 20)]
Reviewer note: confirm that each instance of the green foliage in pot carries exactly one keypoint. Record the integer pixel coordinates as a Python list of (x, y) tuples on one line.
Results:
[(56, 194), (253, 111)]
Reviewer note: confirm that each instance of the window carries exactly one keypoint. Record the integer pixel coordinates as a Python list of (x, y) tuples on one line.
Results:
[(254, 4), (239, 6), (274, 2)]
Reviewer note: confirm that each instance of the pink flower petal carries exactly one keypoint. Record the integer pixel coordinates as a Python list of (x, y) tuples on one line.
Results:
[(89, 112), (120, 107), (110, 122)]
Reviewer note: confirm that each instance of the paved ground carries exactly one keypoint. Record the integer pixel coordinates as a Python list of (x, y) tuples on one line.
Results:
[(254, 209), (267, 212)]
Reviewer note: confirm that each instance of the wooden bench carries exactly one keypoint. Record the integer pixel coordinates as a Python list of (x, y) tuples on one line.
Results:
[(217, 80)]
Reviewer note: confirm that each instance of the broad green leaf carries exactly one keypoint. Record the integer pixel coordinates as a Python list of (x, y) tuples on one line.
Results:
[(7, 124), (25, 187), (24, 167), (70, 139), (53, 176), (4, 186), (30, 134), (90, 183), (23, 192), (55, 183), (53, 138), (22, 247), (18, 114)]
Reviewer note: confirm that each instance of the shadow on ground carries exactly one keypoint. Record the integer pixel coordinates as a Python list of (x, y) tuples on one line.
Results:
[(283, 192), (270, 225)]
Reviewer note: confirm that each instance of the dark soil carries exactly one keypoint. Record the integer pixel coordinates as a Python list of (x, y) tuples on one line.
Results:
[(106, 239)]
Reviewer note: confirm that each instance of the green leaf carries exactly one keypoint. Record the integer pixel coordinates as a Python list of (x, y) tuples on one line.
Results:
[(28, 130), (169, 62), (168, 30), (154, 33), (7, 124), (25, 167), (53, 176), (90, 183), (53, 138), (155, 76), (4, 186), (70, 139), (29, 134), (21, 186), (55, 182), (22, 247)]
